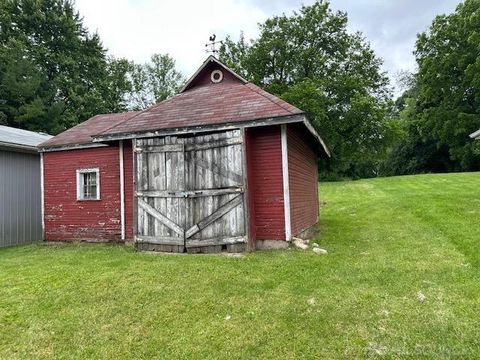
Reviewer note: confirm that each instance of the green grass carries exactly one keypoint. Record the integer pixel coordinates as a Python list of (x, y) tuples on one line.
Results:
[(388, 240)]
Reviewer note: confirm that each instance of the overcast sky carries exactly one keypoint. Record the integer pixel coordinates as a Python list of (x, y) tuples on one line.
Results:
[(135, 29)]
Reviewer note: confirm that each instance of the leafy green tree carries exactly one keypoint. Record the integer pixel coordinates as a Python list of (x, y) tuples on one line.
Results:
[(443, 102), (117, 85), (312, 61), (54, 73), (154, 81), (448, 82)]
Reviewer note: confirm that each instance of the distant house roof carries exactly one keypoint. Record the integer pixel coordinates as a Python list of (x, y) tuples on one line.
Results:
[(18, 139), (81, 134), (475, 135), (204, 102)]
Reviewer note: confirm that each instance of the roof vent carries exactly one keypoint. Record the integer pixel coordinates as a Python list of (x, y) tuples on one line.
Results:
[(216, 76)]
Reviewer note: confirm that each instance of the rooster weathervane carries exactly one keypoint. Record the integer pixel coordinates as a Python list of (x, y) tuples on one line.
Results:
[(211, 47)]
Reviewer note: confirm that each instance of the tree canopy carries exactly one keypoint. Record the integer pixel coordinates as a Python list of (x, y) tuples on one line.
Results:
[(54, 73), (312, 61), (153, 82), (442, 105)]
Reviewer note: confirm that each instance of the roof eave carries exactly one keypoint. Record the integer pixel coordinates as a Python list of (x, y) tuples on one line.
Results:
[(17, 147), (278, 120), (66, 147), (317, 136)]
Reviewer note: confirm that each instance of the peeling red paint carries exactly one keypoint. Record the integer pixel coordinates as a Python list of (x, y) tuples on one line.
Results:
[(66, 218)]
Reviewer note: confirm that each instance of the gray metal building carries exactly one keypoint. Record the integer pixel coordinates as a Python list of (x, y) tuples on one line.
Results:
[(20, 186)]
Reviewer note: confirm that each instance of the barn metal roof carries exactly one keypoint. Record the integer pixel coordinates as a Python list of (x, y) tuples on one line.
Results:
[(206, 105), (13, 138), (81, 134), (202, 105)]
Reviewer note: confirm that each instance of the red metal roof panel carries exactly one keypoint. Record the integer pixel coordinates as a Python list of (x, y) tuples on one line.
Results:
[(207, 105), (81, 134)]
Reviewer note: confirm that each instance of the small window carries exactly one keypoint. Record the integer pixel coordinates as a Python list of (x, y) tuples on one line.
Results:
[(216, 76), (88, 184)]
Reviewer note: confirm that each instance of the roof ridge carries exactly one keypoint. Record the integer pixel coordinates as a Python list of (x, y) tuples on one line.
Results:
[(261, 92)]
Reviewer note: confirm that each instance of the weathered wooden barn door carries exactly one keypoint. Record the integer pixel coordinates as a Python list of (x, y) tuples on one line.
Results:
[(190, 191), (160, 177)]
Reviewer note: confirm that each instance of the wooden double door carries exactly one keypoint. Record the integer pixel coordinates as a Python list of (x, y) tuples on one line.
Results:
[(190, 191)]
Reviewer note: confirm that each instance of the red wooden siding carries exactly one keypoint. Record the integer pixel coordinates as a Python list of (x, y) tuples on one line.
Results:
[(252, 228), (66, 218), (266, 183), (303, 180)]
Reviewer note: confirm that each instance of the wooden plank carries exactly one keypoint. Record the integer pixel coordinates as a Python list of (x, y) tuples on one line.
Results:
[(160, 247), (160, 185), (240, 209), (222, 210), (165, 240), (208, 184), (160, 217), (190, 194), (168, 182), (172, 211), (189, 183), (246, 200), (224, 182), (216, 241), (151, 169), (217, 227), (144, 185), (214, 144), (231, 165), (203, 163), (161, 148), (200, 212), (182, 213)]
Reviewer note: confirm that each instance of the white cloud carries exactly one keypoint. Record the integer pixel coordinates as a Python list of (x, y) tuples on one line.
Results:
[(137, 29)]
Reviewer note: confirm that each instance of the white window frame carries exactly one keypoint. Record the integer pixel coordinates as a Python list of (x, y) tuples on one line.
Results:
[(80, 172)]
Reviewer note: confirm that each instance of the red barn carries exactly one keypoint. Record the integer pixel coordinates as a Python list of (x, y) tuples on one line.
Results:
[(223, 164)]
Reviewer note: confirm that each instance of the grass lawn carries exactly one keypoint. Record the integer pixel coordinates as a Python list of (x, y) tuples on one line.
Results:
[(391, 242)]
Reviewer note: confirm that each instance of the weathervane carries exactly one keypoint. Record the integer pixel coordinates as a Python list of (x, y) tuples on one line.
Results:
[(211, 46)]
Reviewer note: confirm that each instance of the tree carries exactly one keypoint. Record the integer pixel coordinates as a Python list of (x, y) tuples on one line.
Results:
[(53, 72), (448, 80), (444, 100), (154, 81), (312, 61)]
